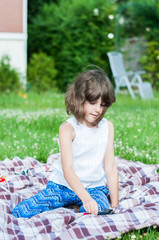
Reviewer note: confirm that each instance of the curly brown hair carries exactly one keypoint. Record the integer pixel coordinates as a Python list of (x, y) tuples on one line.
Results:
[(89, 85)]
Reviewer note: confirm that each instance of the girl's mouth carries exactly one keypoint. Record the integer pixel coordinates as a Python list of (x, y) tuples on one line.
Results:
[(94, 115)]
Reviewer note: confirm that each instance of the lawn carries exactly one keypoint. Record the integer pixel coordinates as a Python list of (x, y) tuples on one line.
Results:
[(30, 123)]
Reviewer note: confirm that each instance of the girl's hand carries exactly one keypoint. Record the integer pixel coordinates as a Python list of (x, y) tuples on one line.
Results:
[(91, 206)]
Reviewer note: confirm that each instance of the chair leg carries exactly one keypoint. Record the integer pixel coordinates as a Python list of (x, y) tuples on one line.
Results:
[(116, 90), (137, 78), (145, 90), (129, 88), (141, 90)]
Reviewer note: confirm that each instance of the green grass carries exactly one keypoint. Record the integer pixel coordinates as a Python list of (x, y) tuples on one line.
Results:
[(136, 126), (29, 127), (150, 233)]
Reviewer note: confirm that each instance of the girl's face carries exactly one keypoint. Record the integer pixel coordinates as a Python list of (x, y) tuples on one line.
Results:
[(92, 111)]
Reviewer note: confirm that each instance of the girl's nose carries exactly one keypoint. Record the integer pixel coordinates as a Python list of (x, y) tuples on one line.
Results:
[(97, 108)]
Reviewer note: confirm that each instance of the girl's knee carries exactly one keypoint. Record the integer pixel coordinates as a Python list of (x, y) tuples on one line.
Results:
[(101, 199)]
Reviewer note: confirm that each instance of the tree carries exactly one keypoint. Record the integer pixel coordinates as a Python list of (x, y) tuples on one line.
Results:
[(34, 8), (75, 33)]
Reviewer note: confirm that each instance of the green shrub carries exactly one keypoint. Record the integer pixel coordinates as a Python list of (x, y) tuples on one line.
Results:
[(34, 7), (75, 33), (150, 62), (140, 18), (9, 77), (41, 72)]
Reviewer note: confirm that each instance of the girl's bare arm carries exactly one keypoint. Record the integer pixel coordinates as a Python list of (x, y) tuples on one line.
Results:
[(66, 136), (111, 169)]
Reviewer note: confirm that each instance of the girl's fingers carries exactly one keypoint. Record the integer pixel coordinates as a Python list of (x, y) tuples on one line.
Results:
[(91, 207), (94, 209)]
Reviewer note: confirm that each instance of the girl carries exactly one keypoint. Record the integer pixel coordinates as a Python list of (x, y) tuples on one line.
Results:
[(87, 155)]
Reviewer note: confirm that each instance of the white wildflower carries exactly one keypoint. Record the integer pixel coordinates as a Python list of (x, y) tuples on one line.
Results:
[(147, 29), (111, 35), (136, 154), (55, 139), (96, 11), (51, 151), (111, 17), (133, 237), (121, 20)]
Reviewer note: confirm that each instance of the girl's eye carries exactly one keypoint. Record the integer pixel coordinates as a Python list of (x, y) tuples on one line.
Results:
[(103, 105)]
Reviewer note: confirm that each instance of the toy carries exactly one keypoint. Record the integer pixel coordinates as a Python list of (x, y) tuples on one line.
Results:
[(2, 178), (104, 212)]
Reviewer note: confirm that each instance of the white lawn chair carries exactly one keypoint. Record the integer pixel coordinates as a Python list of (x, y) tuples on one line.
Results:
[(128, 79)]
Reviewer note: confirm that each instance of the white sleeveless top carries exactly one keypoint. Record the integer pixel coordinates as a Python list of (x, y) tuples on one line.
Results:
[(89, 147)]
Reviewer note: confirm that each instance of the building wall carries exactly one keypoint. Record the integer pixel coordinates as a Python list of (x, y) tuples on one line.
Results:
[(13, 34), (11, 16)]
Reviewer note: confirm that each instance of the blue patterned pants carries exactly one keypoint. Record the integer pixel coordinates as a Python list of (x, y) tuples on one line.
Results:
[(56, 195)]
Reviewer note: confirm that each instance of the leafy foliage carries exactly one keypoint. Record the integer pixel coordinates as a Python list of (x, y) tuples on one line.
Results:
[(150, 62), (75, 33), (9, 77), (141, 17), (35, 6), (41, 72)]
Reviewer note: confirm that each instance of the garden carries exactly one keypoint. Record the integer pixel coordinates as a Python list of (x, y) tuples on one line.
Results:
[(63, 38)]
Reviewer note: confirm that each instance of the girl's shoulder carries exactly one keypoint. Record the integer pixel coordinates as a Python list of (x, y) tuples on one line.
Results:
[(110, 124), (72, 120), (67, 129), (107, 124), (110, 128), (106, 121), (103, 123)]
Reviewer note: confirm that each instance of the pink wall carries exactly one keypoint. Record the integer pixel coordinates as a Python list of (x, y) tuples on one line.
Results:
[(11, 16)]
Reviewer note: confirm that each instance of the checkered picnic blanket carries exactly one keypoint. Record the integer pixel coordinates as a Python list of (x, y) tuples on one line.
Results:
[(138, 207)]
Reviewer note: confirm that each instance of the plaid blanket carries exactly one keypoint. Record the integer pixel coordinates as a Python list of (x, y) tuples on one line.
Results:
[(138, 207)]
